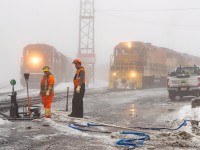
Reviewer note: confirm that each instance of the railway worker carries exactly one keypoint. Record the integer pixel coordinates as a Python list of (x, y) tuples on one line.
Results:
[(79, 90), (47, 90)]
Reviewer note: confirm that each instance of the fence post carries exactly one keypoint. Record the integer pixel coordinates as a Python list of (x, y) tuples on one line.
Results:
[(67, 99)]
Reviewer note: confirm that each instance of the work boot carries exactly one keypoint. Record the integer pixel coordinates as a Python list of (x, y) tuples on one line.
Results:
[(47, 113), (70, 115)]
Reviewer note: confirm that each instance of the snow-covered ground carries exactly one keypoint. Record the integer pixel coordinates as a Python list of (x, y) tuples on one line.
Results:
[(189, 113), (149, 106), (183, 138)]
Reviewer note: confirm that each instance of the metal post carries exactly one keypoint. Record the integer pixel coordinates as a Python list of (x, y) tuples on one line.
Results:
[(13, 106), (67, 99), (26, 76), (29, 110), (13, 89)]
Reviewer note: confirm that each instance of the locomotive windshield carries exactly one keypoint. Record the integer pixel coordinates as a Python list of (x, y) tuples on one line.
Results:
[(37, 55)]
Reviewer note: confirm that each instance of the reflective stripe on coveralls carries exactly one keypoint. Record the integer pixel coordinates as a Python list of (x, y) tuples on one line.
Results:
[(47, 83)]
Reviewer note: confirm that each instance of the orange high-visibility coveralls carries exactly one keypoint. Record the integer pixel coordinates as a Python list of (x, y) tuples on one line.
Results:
[(47, 83)]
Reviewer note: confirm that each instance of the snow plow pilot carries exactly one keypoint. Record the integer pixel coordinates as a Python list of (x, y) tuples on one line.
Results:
[(79, 90), (47, 90)]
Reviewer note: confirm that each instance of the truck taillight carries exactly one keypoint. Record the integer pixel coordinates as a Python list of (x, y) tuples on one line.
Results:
[(198, 81), (167, 82)]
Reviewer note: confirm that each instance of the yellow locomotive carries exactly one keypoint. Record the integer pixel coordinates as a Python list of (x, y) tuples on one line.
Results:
[(136, 65)]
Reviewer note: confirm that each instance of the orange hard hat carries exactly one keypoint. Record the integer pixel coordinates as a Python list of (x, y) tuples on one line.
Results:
[(76, 61)]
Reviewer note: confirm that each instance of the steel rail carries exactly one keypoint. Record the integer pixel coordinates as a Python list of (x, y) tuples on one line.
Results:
[(22, 102)]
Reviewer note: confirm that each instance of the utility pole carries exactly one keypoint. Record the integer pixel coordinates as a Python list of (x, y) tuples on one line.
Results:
[(86, 35)]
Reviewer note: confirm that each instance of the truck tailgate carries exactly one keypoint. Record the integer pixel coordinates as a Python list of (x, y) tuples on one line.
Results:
[(183, 82)]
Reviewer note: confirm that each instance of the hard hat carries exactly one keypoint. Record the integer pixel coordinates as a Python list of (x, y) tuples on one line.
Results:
[(45, 68), (76, 61)]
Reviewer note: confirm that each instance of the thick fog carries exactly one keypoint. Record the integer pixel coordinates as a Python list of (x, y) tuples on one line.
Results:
[(172, 24)]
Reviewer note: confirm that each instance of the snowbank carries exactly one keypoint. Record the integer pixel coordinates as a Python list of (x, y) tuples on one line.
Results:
[(2, 122), (62, 87), (98, 84), (189, 113)]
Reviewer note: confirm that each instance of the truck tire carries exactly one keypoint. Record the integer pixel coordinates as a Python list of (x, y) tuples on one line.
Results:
[(172, 96), (196, 94), (195, 102)]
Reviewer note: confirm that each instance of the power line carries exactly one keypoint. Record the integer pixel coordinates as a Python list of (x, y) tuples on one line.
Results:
[(151, 22), (149, 10)]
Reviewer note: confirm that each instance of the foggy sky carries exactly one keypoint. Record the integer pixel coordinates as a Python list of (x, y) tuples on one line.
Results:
[(56, 22)]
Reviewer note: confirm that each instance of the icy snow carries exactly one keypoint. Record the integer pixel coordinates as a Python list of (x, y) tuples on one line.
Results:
[(181, 138), (3, 122), (189, 113), (64, 129), (62, 87)]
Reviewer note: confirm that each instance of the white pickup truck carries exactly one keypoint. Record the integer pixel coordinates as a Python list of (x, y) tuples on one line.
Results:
[(184, 81)]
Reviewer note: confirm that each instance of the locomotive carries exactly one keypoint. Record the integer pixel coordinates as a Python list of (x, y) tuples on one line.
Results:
[(35, 56), (136, 65)]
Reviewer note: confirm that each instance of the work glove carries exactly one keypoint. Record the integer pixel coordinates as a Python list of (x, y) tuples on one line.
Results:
[(47, 92), (78, 89)]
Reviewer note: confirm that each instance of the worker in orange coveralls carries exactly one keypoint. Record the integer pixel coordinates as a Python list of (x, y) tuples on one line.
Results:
[(79, 90), (47, 90)]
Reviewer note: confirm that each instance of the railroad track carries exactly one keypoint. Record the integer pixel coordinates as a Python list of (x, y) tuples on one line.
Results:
[(22, 102)]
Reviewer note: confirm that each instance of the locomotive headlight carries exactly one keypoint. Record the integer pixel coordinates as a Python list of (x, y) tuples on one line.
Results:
[(114, 74), (35, 60), (133, 74), (129, 44)]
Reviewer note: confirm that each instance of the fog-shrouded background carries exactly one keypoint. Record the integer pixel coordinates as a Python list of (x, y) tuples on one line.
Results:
[(172, 24)]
